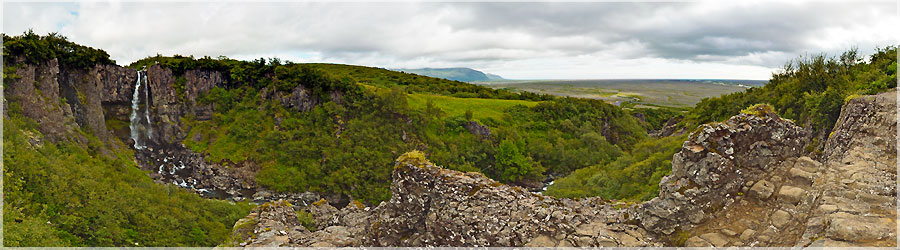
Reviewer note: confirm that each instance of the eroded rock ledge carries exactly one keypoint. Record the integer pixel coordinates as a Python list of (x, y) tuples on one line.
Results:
[(743, 182)]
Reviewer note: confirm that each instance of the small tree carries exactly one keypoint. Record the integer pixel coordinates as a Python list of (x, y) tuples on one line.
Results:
[(432, 111), (513, 164)]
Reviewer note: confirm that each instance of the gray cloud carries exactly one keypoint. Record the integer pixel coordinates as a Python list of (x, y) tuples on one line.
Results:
[(686, 31), (735, 40)]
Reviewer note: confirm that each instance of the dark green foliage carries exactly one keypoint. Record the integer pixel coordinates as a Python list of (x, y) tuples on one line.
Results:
[(307, 220), (179, 64), (633, 176), (810, 91), (180, 81), (591, 115), (37, 49), (513, 164), (332, 148), (656, 118), (285, 76), (71, 195), (349, 148)]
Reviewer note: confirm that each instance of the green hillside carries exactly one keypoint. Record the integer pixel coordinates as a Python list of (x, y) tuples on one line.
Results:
[(480, 108), (811, 91), (386, 113), (85, 192)]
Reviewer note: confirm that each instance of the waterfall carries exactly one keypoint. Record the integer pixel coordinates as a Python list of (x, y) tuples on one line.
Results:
[(147, 110), (135, 106)]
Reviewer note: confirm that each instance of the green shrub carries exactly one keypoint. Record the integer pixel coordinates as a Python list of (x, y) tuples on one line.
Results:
[(809, 90), (633, 176), (36, 49), (759, 110), (307, 220), (66, 194)]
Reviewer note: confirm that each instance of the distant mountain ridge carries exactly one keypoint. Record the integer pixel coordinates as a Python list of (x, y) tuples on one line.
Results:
[(457, 74)]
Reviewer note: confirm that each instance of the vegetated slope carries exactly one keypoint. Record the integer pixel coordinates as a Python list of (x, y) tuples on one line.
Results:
[(67, 181), (416, 83), (811, 91), (336, 128), (741, 182), (456, 74), (633, 176), (455, 106)]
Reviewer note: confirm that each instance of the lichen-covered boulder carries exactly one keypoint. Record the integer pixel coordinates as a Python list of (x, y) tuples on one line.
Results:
[(271, 224)]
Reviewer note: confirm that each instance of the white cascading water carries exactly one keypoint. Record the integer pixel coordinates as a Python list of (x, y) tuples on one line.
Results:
[(171, 167), (135, 105), (147, 108)]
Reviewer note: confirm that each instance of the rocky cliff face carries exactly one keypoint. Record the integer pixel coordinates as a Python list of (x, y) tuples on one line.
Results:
[(856, 189), (98, 100), (743, 182), (169, 104), (63, 99), (54, 96), (437, 207), (713, 166)]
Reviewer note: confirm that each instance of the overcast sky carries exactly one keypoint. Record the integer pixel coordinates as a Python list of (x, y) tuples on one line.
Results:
[(742, 40)]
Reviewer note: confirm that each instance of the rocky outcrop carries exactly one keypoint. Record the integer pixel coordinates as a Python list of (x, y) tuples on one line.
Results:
[(116, 92), (199, 83), (83, 90), (36, 92), (437, 207), (169, 104), (164, 104), (268, 225), (300, 99), (432, 206), (477, 129), (857, 187), (771, 211), (743, 182), (63, 99), (713, 166), (847, 201), (670, 128), (118, 83)]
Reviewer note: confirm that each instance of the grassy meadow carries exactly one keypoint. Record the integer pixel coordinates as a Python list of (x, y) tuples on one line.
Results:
[(454, 106)]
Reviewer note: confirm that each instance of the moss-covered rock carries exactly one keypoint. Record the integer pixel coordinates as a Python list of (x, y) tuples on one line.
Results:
[(760, 110)]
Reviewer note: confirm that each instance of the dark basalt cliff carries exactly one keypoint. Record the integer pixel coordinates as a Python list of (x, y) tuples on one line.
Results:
[(54, 95), (99, 100), (743, 182), (59, 99)]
